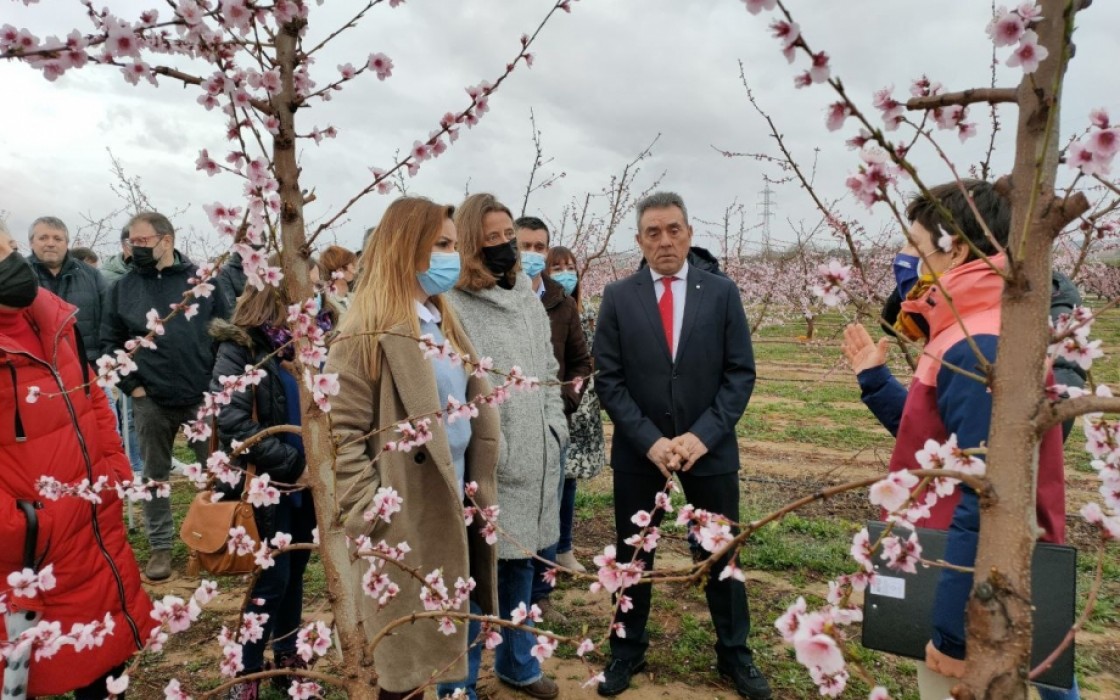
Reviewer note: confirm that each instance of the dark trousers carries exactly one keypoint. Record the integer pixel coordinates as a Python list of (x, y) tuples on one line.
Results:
[(97, 689), (279, 588), (727, 599), (156, 428)]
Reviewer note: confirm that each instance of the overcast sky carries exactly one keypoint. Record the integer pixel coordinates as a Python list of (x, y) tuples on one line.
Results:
[(607, 79)]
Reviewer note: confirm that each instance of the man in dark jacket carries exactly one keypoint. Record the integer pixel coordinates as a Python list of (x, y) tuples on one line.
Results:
[(675, 373), (230, 281), (569, 345), (74, 281), (167, 386)]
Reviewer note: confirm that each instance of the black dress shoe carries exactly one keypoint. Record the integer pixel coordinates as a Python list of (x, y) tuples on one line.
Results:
[(616, 677), (748, 680)]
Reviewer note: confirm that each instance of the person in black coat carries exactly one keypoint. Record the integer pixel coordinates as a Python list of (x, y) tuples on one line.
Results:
[(230, 280), (167, 385), (256, 336), (676, 370), (67, 277)]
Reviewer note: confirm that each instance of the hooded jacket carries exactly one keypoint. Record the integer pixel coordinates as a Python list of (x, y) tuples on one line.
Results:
[(942, 402), (79, 284), (177, 372), (70, 436), (115, 267), (569, 344), (275, 456)]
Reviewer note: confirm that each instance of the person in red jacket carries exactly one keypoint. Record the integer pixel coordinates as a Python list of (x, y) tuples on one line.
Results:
[(945, 400), (69, 434)]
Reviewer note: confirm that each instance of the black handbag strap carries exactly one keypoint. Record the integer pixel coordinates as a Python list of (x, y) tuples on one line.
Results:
[(31, 538)]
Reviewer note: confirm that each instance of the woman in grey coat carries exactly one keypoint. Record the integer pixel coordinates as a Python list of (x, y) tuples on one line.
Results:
[(506, 322)]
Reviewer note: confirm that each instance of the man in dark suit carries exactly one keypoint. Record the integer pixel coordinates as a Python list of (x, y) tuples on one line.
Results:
[(676, 370)]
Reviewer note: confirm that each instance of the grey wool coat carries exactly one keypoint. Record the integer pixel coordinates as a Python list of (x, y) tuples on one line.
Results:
[(511, 327), (431, 516)]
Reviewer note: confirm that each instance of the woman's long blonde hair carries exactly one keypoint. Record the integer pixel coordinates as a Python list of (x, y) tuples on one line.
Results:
[(384, 291)]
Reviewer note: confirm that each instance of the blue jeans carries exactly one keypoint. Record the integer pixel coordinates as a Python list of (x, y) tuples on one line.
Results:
[(133, 442), (280, 587), (567, 515), (513, 663), (1073, 693), (541, 588), (474, 660)]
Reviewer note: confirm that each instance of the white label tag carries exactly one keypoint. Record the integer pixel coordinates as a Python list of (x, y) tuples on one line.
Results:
[(889, 587)]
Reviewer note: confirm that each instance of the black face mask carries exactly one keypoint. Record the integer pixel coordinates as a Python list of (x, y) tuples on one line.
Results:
[(18, 283), (144, 257), (500, 258)]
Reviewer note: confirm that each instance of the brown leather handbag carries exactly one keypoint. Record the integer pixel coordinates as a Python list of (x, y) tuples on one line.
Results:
[(206, 527)]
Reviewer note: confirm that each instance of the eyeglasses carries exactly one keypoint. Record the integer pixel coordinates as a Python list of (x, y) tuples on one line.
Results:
[(144, 242)]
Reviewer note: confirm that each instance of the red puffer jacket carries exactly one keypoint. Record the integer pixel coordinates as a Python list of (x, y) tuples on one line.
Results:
[(70, 437)]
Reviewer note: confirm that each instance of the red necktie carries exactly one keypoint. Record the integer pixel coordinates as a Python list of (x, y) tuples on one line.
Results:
[(666, 308)]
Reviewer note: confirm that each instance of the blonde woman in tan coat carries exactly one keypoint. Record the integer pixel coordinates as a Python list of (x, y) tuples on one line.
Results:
[(385, 379)]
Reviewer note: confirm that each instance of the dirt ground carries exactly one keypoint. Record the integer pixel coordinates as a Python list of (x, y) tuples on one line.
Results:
[(772, 471)]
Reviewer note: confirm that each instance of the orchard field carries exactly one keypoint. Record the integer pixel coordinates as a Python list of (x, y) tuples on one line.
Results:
[(805, 428)]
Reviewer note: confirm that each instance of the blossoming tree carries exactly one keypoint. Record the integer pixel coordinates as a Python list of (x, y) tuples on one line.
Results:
[(261, 79)]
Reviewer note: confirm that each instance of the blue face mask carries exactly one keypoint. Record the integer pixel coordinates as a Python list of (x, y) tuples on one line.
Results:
[(532, 264), (567, 279), (906, 272), (441, 275)]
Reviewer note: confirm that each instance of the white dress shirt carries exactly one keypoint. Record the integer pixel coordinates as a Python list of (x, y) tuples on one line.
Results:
[(680, 288)]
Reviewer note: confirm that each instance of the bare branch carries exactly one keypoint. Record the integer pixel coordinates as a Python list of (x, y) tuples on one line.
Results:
[(963, 98)]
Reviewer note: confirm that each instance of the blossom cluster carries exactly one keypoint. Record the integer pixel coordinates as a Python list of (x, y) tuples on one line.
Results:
[(1102, 441), (1093, 153), (1013, 28), (832, 276), (1070, 338)]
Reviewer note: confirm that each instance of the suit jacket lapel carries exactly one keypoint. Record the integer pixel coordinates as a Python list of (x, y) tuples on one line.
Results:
[(647, 299), (415, 382), (693, 301)]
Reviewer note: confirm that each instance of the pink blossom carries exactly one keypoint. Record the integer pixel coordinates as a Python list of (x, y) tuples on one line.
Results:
[(819, 651), (116, 686), (172, 691), (32, 394), (756, 6), (902, 556), (313, 640), (820, 71), (892, 110), (386, 503), (380, 64), (1104, 143), (1006, 28), (585, 646), (1030, 12), (838, 112), (788, 33), (1099, 118), (879, 693), (832, 278), (1029, 53), (861, 550), (892, 492), (305, 690), (544, 647)]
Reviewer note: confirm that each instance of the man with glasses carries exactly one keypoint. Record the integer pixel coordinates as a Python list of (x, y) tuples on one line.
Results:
[(167, 386)]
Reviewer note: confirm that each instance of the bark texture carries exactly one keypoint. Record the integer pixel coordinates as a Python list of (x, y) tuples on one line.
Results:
[(999, 612)]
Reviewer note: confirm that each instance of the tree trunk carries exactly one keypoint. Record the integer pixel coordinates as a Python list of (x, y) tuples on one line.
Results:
[(355, 666), (999, 611)]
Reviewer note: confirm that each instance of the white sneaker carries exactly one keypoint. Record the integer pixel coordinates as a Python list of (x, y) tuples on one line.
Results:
[(568, 561)]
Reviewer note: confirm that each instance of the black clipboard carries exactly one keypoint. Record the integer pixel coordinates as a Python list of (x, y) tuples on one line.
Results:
[(898, 607)]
